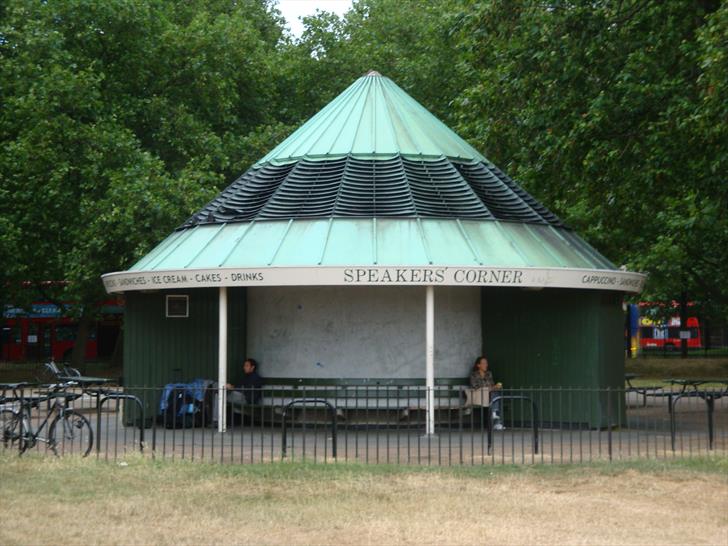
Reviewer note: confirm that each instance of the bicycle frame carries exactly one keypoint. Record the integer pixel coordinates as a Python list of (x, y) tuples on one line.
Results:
[(30, 435)]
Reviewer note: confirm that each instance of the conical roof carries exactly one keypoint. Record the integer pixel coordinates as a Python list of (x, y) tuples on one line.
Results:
[(374, 181), (373, 119), (373, 152)]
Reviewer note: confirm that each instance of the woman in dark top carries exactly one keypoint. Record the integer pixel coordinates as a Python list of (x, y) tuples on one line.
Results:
[(482, 378)]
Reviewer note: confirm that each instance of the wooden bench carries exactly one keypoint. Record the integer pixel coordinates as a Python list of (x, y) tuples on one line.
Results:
[(374, 400), (645, 391)]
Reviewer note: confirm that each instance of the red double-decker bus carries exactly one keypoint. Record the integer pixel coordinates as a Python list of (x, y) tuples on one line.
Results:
[(44, 331), (666, 334)]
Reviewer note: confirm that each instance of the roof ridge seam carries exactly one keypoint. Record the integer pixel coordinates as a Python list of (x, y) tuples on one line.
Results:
[(413, 202), (237, 243), (313, 122), (358, 97), (263, 210), (342, 181)]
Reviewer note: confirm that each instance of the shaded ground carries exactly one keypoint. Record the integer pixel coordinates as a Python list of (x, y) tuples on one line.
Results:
[(139, 501), (645, 434)]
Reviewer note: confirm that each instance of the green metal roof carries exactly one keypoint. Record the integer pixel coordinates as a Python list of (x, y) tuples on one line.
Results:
[(372, 119), (373, 181), (381, 242)]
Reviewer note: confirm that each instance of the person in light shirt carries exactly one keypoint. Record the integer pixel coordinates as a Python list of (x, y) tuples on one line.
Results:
[(482, 378)]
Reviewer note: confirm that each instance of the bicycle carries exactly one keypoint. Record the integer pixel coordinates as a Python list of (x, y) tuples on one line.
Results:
[(68, 433), (53, 371)]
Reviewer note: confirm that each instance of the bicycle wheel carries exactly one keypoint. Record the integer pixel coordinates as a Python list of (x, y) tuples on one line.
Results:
[(70, 434), (11, 427)]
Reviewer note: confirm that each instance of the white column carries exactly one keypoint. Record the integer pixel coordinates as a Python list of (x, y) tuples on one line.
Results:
[(430, 357), (222, 360)]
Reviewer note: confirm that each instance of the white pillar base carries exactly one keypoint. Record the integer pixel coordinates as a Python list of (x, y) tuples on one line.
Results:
[(430, 358)]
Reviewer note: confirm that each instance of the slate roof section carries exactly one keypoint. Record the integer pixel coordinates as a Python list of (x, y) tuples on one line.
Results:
[(349, 187)]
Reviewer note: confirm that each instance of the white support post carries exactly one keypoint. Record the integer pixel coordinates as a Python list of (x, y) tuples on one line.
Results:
[(430, 358), (222, 360)]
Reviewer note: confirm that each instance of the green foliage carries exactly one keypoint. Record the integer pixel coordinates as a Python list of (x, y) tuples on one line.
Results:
[(409, 41), (611, 113), (614, 115), (120, 118)]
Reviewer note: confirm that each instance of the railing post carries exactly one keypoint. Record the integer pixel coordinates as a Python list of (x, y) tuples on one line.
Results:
[(489, 424), (710, 401), (119, 396), (534, 412), (609, 422), (304, 402), (673, 425)]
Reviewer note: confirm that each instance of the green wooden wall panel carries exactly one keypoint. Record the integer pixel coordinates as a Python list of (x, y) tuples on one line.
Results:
[(160, 350), (547, 338), (556, 338)]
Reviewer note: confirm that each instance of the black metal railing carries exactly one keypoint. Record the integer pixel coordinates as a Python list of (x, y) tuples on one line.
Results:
[(386, 424)]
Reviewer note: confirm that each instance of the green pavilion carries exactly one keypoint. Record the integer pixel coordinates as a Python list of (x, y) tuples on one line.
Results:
[(374, 242)]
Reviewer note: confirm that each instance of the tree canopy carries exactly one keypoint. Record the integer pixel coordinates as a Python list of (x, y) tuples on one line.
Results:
[(611, 113), (614, 114), (121, 117)]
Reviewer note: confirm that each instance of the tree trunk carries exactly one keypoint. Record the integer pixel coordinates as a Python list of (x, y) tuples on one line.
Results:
[(706, 335), (683, 323), (117, 357), (78, 356)]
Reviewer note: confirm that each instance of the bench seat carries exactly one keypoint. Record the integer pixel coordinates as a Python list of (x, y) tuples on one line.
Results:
[(650, 390), (358, 399)]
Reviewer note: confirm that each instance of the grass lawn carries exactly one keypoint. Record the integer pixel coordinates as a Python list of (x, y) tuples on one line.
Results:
[(139, 501), (653, 370)]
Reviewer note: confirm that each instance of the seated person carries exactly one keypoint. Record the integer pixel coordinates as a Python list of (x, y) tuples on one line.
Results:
[(482, 378), (249, 390)]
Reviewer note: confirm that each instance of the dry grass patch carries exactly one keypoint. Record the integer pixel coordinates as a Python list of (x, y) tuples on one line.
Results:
[(661, 368), (89, 502)]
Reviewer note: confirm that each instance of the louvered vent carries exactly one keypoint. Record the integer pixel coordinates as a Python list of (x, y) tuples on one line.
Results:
[(349, 187)]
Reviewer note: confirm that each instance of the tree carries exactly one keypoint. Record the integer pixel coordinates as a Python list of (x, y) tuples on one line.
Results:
[(119, 119), (409, 41), (613, 114)]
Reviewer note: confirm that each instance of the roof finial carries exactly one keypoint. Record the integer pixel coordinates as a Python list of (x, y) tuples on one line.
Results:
[(373, 73)]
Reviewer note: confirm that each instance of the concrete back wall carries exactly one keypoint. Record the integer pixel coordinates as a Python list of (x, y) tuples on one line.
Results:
[(361, 331)]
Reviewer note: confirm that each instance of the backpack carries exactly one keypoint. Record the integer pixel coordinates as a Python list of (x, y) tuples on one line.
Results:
[(182, 410)]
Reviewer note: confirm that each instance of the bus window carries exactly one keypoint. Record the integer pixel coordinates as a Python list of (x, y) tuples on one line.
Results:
[(32, 333), (11, 334), (65, 333)]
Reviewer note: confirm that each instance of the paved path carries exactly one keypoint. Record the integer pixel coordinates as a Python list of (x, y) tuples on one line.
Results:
[(646, 433)]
